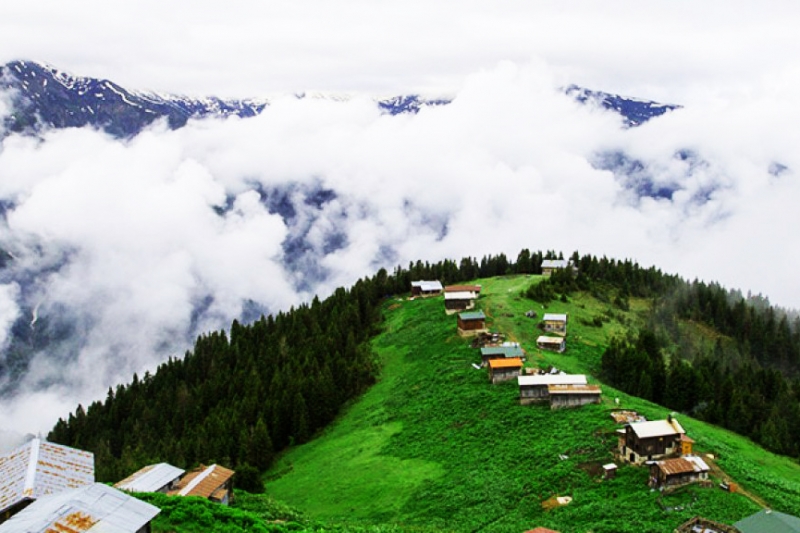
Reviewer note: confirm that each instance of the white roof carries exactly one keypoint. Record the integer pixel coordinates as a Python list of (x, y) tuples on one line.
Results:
[(555, 263), (544, 339), (38, 468), (698, 463), (551, 379), (460, 295), (656, 428), (428, 285), (558, 317), (95, 508), (151, 478)]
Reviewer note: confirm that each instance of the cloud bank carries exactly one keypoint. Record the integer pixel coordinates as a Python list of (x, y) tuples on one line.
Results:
[(124, 251)]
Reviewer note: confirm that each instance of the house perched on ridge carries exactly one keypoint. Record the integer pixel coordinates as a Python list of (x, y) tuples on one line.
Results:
[(504, 369), (38, 468), (551, 265), (93, 508), (471, 323), (555, 323), (426, 288), (162, 477), (654, 439), (213, 482)]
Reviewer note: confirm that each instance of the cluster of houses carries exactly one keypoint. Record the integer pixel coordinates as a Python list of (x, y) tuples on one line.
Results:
[(48, 487)]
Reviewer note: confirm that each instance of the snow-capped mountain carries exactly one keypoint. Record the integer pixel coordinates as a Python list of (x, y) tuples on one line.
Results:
[(44, 96)]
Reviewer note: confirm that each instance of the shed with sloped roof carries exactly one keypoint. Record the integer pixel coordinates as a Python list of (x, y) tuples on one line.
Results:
[(504, 369), (161, 477), (213, 482)]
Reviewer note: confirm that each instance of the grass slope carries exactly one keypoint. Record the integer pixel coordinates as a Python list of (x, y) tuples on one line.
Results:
[(435, 446)]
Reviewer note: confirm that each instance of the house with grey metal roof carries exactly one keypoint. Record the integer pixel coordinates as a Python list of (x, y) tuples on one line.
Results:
[(95, 508), (162, 477), (39, 468), (536, 388), (455, 301), (551, 265), (555, 322), (769, 520), (553, 344), (502, 352), (426, 288), (471, 323)]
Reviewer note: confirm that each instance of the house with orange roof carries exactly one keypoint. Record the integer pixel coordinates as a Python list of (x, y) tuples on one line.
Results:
[(213, 482), (504, 369)]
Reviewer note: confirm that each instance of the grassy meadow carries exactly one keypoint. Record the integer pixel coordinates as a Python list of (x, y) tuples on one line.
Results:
[(433, 446)]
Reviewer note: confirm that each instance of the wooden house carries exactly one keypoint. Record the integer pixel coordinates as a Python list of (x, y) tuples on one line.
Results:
[(686, 445), (551, 265), (504, 369), (768, 520), (555, 323), (573, 395), (698, 524), (553, 344), (39, 468), (678, 471), (426, 288), (162, 477), (459, 301), (471, 323), (93, 508), (535, 388), (476, 289), (501, 352), (651, 440), (214, 483)]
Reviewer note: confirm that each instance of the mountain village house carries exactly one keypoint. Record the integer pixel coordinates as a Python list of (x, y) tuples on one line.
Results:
[(464, 288), (39, 468), (459, 301), (471, 323), (768, 520), (555, 323), (646, 441), (573, 395), (678, 471), (501, 352), (214, 483), (551, 265), (553, 344), (535, 388), (92, 508), (504, 369), (426, 288), (162, 477)]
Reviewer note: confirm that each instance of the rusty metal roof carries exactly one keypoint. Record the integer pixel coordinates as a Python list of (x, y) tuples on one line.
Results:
[(462, 288), (682, 465), (38, 468), (511, 362), (151, 478), (203, 481), (573, 389), (94, 508)]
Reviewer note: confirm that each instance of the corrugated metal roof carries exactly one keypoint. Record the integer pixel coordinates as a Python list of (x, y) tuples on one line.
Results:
[(544, 339), (475, 315), (203, 481), (94, 508), (427, 286), (554, 263), (505, 351), (682, 465), (461, 295), (555, 317), (656, 428), (573, 389), (461, 288), (38, 468), (769, 520), (151, 478), (551, 379), (511, 362)]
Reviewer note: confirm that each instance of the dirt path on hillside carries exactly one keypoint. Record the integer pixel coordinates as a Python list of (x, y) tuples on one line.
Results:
[(716, 471)]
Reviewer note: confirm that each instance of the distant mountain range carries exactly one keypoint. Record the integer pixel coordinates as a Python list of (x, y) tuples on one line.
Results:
[(44, 96)]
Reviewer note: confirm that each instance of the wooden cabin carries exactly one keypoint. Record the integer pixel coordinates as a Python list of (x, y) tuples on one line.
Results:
[(91, 508), (213, 482), (162, 477), (551, 265), (555, 323), (501, 352), (678, 471), (651, 440), (504, 369), (535, 388), (553, 344), (39, 468), (426, 288), (573, 395), (459, 301), (471, 323)]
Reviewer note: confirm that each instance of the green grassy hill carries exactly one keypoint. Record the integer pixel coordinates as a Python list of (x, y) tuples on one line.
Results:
[(434, 446)]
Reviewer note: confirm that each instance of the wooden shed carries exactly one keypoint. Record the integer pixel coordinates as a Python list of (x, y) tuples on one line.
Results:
[(459, 301), (504, 369), (501, 352), (535, 388), (471, 323), (573, 395), (678, 471), (426, 288), (555, 323), (553, 344), (213, 482)]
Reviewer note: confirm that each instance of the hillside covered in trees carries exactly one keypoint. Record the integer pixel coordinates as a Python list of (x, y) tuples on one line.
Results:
[(239, 397)]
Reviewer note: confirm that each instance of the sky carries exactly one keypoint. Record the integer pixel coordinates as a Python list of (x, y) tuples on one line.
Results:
[(124, 240)]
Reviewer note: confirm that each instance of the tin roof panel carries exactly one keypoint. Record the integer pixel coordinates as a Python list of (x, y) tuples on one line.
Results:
[(151, 478)]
